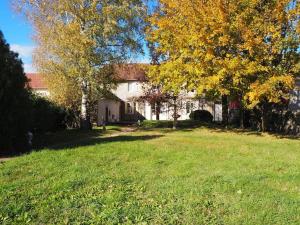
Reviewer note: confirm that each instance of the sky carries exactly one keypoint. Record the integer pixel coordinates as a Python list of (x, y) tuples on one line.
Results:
[(18, 34)]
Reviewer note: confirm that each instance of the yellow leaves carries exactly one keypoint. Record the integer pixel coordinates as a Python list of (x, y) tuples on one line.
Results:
[(228, 46), (272, 89), (224, 40), (209, 55)]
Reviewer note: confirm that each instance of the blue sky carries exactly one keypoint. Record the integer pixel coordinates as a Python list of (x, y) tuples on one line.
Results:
[(18, 33)]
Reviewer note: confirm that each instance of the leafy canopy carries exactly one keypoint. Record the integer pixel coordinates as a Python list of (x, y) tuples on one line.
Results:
[(246, 48), (80, 39)]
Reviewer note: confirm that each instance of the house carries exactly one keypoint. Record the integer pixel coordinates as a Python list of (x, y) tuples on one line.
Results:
[(122, 106), (37, 84)]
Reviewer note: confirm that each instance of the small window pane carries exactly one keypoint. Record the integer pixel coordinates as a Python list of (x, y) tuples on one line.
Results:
[(130, 86)]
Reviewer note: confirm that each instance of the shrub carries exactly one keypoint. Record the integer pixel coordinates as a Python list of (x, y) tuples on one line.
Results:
[(149, 124), (47, 116), (201, 115), (157, 124)]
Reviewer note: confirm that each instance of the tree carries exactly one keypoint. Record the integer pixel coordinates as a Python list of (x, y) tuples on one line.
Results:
[(175, 103), (66, 93), (79, 39), (153, 93), (154, 96), (15, 105), (247, 49)]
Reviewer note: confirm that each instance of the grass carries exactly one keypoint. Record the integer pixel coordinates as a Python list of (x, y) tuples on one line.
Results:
[(196, 176), (150, 124)]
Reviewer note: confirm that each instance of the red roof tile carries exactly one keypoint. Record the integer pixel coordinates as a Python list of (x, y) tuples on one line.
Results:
[(130, 72), (124, 72), (36, 81)]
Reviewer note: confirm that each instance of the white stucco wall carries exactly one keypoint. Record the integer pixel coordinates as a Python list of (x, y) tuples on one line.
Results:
[(127, 90), (113, 110)]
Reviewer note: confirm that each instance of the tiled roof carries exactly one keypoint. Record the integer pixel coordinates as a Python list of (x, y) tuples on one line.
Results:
[(36, 81), (124, 72), (131, 72)]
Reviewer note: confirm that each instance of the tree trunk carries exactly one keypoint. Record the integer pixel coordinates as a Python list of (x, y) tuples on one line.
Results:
[(157, 110), (263, 118), (85, 123), (242, 115), (175, 115), (225, 110)]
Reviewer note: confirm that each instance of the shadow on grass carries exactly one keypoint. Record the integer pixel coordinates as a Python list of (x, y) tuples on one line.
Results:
[(76, 138), (219, 128), (223, 129)]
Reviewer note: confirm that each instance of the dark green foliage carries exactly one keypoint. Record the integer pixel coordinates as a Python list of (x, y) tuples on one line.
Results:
[(283, 122), (201, 115), (297, 118), (278, 119), (149, 124), (20, 110), (47, 116), (156, 124), (14, 101)]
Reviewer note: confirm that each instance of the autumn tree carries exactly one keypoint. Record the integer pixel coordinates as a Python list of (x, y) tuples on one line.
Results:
[(79, 39), (247, 49), (66, 92)]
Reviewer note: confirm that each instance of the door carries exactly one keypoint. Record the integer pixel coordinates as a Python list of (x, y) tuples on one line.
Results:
[(106, 114), (122, 111)]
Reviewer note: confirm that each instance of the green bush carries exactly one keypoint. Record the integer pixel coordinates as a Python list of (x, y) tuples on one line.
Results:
[(201, 115), (157, 124), (149, 124), (47, 116)]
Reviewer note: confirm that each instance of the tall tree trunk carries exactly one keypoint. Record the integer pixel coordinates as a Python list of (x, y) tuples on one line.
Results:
[(242, 116), (242, 112), (175, 114), (157, 110), (263, 118), (225, 110), (85, 123)]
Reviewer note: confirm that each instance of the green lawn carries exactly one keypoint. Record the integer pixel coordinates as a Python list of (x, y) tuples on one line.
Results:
[(199, 176)]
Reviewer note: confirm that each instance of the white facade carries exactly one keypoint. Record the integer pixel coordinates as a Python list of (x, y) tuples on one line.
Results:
[(124, 108)]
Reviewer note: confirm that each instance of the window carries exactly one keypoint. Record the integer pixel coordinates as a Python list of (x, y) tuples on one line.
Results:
[(141, 108), (155, 107), (128, 108), (131, 86), (153, 110), (189, 107)]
